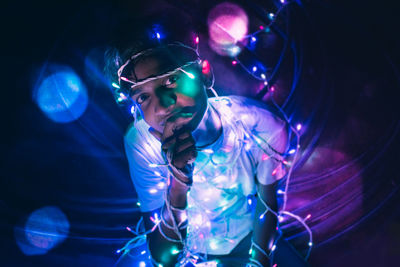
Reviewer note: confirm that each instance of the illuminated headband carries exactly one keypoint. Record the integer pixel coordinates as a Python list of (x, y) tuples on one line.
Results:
[(151, 78)]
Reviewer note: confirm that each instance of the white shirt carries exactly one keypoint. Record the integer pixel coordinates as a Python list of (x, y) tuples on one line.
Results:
[(225, 172)]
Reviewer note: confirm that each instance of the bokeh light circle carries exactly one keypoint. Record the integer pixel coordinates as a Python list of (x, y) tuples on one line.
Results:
[(61, 95), (43, 230), (227, 24)]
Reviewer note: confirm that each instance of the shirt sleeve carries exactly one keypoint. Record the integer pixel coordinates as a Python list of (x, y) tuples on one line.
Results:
[(269, 138), (149, 186)]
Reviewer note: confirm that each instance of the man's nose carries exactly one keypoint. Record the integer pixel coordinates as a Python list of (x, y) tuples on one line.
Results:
[(167, 97)]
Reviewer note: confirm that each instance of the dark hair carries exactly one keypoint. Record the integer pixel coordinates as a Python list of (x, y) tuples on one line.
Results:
[(135, 35)]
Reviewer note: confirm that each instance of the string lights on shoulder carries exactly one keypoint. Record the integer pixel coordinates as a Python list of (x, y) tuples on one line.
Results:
[(249, 140)]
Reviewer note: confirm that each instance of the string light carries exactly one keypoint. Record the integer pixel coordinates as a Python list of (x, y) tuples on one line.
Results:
[(190, 75), (174, 251), (158, 35), (115, 85), (262, 77), (271, 15)]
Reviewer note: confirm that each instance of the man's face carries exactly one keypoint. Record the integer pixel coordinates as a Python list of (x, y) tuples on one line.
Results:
[(167, 98)]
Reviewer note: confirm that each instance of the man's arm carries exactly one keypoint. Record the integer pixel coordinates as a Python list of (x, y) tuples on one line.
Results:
[(264, 227), (163, 250), (167, 240)]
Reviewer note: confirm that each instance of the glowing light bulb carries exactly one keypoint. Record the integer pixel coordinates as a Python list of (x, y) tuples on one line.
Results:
[(263, 76), (115, 85), (157, 173), (253, 39), (138, 203), (174, 251), (262, 216), (158, 35), (271, 15), (213, 245), (197, 40), (153, 191), (143, 252), (234, 51), (249, 201), (282, 1), (152, 165), (250, 251), (280, 191), (183, 216), (247, 147), (310, 244), (142, 264), (234, 62), (161, 185), (190, 75), (292, 151), (265, 83), (208, 151), (307, 217), (129, 229), (118, 251), (273, 248), (254, 68), (298, 127), (261, 27)]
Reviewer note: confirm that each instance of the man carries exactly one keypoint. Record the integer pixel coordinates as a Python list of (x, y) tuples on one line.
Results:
[(205, 170)]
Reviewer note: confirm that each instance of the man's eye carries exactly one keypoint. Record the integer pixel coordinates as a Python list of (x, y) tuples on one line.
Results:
[(171, 80), (141, 98)]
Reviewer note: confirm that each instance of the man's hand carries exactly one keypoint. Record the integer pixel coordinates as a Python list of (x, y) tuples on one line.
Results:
[(178, 140)]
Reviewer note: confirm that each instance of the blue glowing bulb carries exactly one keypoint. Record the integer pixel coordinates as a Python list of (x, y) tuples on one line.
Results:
[(253, 39), (158, 35), (254, 69)]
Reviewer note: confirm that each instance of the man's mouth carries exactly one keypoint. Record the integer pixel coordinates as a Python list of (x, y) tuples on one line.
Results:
[(185, 112)]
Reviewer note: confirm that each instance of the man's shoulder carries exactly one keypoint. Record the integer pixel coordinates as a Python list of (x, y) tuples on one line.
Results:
[(250, 111), (135, 132)]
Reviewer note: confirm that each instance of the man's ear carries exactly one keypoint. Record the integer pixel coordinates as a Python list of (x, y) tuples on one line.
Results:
[(207, 73)]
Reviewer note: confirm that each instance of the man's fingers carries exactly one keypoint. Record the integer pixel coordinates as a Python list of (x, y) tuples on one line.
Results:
[(188, 142), (168, 142), (172, 126), (184, 157)]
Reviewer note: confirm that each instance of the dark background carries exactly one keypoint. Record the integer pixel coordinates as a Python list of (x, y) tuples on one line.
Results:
[(350, 52)]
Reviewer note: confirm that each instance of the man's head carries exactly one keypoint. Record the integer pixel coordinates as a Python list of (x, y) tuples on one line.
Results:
[(165, 83)]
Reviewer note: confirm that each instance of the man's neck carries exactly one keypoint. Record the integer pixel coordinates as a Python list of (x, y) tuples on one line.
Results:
[(209, 128)]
